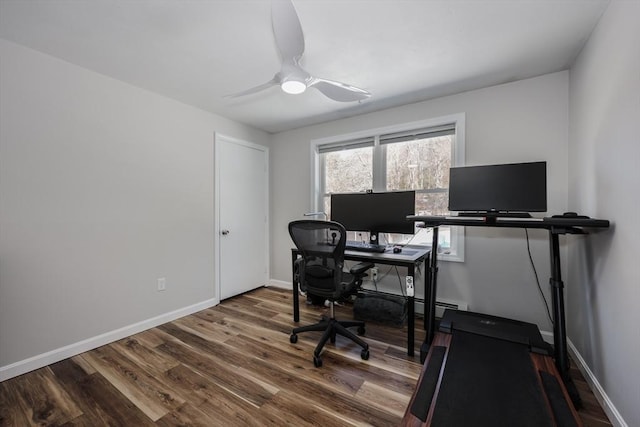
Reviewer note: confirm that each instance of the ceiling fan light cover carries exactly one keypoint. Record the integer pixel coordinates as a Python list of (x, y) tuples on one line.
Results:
[(293, 87)]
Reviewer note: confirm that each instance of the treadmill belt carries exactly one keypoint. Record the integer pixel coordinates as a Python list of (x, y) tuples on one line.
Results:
[(489, 382)]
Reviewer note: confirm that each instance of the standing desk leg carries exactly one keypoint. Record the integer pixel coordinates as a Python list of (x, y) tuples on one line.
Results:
[(559, 326), (411, 314), (431, 279), (296, 303)]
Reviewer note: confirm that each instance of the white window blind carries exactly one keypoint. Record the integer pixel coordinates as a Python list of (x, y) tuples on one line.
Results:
[(416, 134), (347, 145)]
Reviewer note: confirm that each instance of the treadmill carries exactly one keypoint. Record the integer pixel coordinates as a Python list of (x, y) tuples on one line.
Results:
[(484, 370)]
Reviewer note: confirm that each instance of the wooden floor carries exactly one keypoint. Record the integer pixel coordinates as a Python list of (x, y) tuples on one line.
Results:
[(231, 365)]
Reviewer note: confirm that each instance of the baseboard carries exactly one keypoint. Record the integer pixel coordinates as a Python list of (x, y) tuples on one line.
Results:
[(594, 385), (608, 407), (280, 284), (53, 356)]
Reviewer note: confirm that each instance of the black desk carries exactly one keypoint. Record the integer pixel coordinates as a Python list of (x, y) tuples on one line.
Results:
[(409, 258), (556, 227)]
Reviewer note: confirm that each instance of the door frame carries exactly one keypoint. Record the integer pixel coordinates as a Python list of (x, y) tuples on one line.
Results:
[(218, 137)]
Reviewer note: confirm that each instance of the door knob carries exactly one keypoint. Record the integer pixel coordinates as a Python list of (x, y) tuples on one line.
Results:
[(225, 232)]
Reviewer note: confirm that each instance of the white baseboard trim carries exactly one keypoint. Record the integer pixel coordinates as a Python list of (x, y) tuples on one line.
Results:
[(53, 356), (608, 406), (594, 385), (280, 284)]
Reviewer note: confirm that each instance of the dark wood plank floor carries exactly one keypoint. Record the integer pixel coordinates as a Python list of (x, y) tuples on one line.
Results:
[(226, 366)]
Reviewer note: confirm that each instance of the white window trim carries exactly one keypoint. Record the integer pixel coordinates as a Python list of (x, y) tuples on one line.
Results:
[(457, 160)]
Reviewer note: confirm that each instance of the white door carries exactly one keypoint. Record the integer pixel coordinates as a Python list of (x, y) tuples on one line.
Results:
[(241, 222)]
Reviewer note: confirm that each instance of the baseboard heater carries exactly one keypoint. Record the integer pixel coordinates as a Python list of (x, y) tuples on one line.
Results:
[(442, 305)]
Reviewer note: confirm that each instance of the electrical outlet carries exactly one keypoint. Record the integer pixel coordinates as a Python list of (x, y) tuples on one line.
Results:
[(374, 274), (162, 284), (409, 286)]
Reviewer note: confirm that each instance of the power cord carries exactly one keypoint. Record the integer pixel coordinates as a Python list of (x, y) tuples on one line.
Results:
[(399, 281), (408, 242), (546, 304)]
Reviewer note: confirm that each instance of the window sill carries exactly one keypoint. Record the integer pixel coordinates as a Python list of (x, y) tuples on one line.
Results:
[(450, 257)]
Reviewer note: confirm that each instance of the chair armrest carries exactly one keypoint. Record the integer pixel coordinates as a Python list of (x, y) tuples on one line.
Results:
[(360, 268)]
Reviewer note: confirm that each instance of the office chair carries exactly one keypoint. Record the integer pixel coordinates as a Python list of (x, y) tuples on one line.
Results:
[(319, 272)]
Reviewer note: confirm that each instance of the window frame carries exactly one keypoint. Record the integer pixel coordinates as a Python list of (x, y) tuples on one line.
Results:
[(379, 164)]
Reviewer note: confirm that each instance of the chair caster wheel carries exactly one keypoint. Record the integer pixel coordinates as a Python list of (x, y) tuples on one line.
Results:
[(360, 330), (317, 362), (364, 354), (293, 339)]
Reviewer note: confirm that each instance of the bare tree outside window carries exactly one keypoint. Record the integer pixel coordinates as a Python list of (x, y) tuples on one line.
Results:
[(349, 171), (422, 165)]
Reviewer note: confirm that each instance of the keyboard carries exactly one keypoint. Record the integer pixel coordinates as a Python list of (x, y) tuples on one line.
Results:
[(364, 247)]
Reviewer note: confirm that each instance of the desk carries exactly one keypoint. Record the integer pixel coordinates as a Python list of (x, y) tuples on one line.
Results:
[(556, 227), (409, 258)]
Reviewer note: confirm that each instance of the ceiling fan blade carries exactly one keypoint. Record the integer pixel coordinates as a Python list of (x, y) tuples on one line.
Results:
[(287, 30), (340, 92), (273, 82), (289, 38)]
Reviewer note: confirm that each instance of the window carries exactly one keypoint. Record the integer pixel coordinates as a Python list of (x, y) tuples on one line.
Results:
[(415, 156)]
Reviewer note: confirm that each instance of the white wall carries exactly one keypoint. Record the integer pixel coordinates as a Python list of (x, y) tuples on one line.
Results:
[(603, 284), (104, 188), (521, 121)]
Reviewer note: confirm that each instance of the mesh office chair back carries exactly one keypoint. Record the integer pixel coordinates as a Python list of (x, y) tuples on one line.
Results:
[(321, 244)]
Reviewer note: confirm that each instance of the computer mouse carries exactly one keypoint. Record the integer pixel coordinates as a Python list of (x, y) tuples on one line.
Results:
[(570, 214), (397, 249)]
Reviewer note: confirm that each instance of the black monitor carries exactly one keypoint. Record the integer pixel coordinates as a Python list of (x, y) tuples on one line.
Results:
[(497, 189), (384, 212)]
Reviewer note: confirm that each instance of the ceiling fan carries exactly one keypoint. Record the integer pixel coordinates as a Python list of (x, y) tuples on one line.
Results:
[(292, 78)]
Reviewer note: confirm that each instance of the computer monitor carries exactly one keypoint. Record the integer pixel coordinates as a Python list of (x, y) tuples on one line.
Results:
[(496, 189), (384, 212)]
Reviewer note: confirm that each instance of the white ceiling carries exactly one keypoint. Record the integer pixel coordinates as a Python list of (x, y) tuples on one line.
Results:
[(402, 51)]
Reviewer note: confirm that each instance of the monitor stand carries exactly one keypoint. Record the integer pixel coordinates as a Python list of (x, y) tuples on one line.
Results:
[(373, 238)]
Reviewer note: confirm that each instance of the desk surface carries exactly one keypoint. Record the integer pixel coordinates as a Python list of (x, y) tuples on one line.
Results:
[(410, 254), (546, 222)]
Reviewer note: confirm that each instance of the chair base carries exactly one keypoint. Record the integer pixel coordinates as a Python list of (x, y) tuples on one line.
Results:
[(331, 328)]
